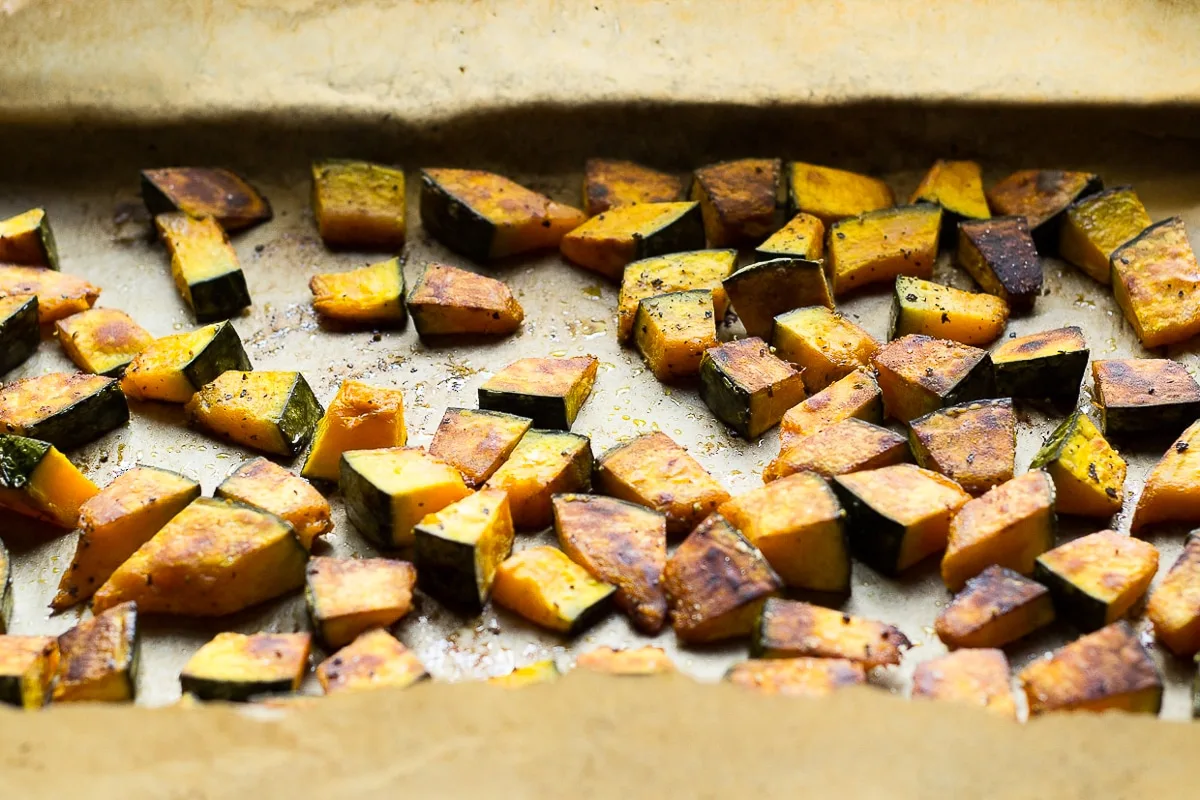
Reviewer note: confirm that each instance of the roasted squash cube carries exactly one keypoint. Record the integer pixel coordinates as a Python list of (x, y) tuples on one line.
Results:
[(672, 331), (205, 192), (549, 391), (448, 301), (877, 246), (607, 242), (739, 200), (1156, 281), (1000, 255), (38, 481), (59, 295), (973, 677), (997, 607), (458, 549), (1041, 196), (1174, 605), (204, 266), (387, 491), (264, 484), (361, 417), (973, 444), (797, 677), (919, 374), (6, 590), (634, 662), (375, 660), (65, 409), (368, 296), (1145, 394), (275, 412), (27, 240), (477, 442), (358, 204), (349, 596), (174, 368), (235, 667), (547, 588), (20, 332), (1172, 489), (609, 183), (792, 629), (803, 237), (848, 446), (823, 343), (855, 396), (1088, 475), (760, 292), (1097, 578), (544, 671), (101, 340), (747, 386), (98, 658), (833, 194), (1050, 364), (543, 464), (920, 306), (1092, 228), (28, 665), (956, 186), (677, 272)]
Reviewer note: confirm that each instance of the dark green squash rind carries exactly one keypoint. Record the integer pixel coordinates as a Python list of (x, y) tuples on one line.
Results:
[(10, 691), (220, 297), (1085, 612), (84, 421), (1052, 449), (209, 689), (874, 539), (1056, 377), (300, 416), (19, 459), (978, 384), (20, 335), (593, 613), (681, 234), (223, 352), (453, 222), (729, 402), (547, 413), (368, 509), (446, 570)]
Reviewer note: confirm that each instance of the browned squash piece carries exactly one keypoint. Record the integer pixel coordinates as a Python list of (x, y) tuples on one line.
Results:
[(928, 308), (27, 239), (361, 417), (956, 186), (607, 242), (1174, 605), (832, 194), (1156, 281), (1145, 394), (359, 204), (716, 582), (609, 183), (446, 301), (797, 677), (264, 484), (372, 295), (1097, 578), (477, 442), (974, 444), (101, 340), (1000, 255), (747, 386), (173, 368), (236, 668), (673, 330), (1041, 196), (977, 678), (855, 396), (28, 665), (543, 464), (823, 343), (762, 291), (919, 374), (847, 446), (98, 658), (39, 481), (549, 391), (66, 409), (653, 471), (547, 588), (1172, 489), (204, 266), (59, 295), (877, 246), (205, 192), (458, 548), (1092, 228), (997, 607), (349, 596), (375, 660), (274, 412), (802, 237), (633, 662), (792, 629), (677, 272), (1049, 364), (739, 200)]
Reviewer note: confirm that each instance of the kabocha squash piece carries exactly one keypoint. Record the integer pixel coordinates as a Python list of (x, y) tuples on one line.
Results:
[(792, 629), (38, 481), (102, 340), (619, 543), (634, 662), (446, 300), (543, 464), (677, 272), (59, 295), (747, 387), (1156, 281), (1092, 228), (1172, 489), (997, 607), (920, 306), (798, 525), (349, 596), (855, 396), (803, 237), (266, 485), (204, 266), (973, 444), (98, 658), (483, 216), (739, 200), (6, 590), (824, 344), (370, 296), (361, 417), (205, 192), (1108, 669), (919, 374), (956, 186), (387, 491), (978, 678), (458, 549), (672, 331), (833, 194), (358, 204), (65, 409), (27, 239), (375, 660), (797, 677), (235, 667), (543, 671), (28, 665), (547, 588), (609, 183), (1097, 578), (716, 582), (275, 412), (20, 331), (1145, 394), (214, 558), (609, 241), (118, 520), (1088, 475), (760, 292), (477, 442), (1174, 605), (1050, 364), (1009, 526), (899, 515), (174, 368), (1000, 255), (848, 446), (1041, 196), (652, 470), (549, 391), (877, 246)]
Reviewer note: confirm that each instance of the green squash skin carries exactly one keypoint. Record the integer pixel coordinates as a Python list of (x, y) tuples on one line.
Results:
[(209, 690), (1166, 419), (1085, 612), (728, 401), (547, 413), (19, 459), (1052, 449), (1055, 377), (10, 690), (684, 233), (369, 509), (446, 570), (978, 384), (220, 297), (85, 421), (593, 613), (20, 335), (800, 283), (159, 202), (300, 416), (49, 247), (454, 223), (223, 352), (6, 593), (874, 539)]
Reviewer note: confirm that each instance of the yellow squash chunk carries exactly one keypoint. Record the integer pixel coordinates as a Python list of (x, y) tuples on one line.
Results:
[(920, 374), (762, 291), (672, 331), (609, 183), (101, 340), (549, 391), (956, 186), (1095, 226), (359, 204), (1156, 281), (370, 295), (824, 344), (847, 446), (28, 665), (477, 442), (264, 484), (1172, 489), (633, 662), (1145, 394), (59, 295), (387, 491), (205, 192), (547, 588), (543, 671), (802, 237), (458, 549), (977, 678), (1097, 578), (1041, 196), (878, 246), (361, 417), (609, 241), (997, 607), (973, 444), (677, 272), (447, 301), (98, 658), (1088, 474), (173, 368), (920, 306), (349, 596), (739, 200), (38, 481), (375, 660), (748, 387), (543, 464), (797, 677), (792, 629), (833, 194), (1050, 364), (27, 239), (1000, 255), (855, 396), (67, 409), (1174, 605), (275, 412), (204, 266), (236, 667)]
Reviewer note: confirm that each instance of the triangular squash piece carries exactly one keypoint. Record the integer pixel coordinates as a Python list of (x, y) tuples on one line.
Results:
[(974, 444), (609, 241), (1172, 490)]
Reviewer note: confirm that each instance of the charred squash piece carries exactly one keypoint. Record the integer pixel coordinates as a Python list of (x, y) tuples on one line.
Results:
[(543, 464), (118, 520), (1092, 228), (652, 470), (547, 588), (358, 204), (622, 544), (877, 246), (760, 292), (609, 183), (823, 343), (1097, 578), (214, 558), (797, 677), (370, 296), (977, 678), (477, 442), (98, 658), (361, 417), (235, 667), (1156, 281), (997, 607), (38, 481), (943, 312), (458, 549), (1009, 526), (607, 242), (1145, 394), (204, 266), (1088, 475), (449, 301), (716, 582), (747, 387), (739, 200), (205, 192), (792, 629), (27, 240), (59, 295), (387, 491), (266, 485), (275, 412), (677, 272), (349, 596), (65, 409), (28, 665), (919, 374), (549, 391), (798, 525), (848, 446), (102, 341), (833, 194), (483, 216), (803, 237), (1041, 196), (672, 331), (634, 662), (956, 186), (1174, 605), (20, 332), (1108, 669), (6, 590), (855, 396), (1000, 255), (375, 660), (174, 368), (1172, 489), (544, 671), (1050, 364), (973, 444), (899, 515)]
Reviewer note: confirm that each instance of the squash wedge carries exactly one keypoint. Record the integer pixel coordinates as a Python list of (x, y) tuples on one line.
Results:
[(1041, 196), (1145, 394), (235, 667), (66, 409), (101, 341), (447, 301), (856, 396), (1156, 281), (275, 412), (1172, 489), (547, 588), (920, 306), (543, 464), (1174, 605), (919, 374), (996, 608), (796, 677), (609, 183), (973, 444), (175, 367), (823, 343), (803, 237), (977, 678), (832, 194), (1050, 364), (349, 596), (204, 266), (549, 391), (28, 666), (673, 330), (956, 186), (1000, 255), (265, 485), (20, 331), (760, 292), (676, 272), (476, 443), (847, 446), (740, 201), (1097, 225), (607, 242), (1088, 474), (59, 295), (205, 192), (368, 296), (361, 417), (359, 205), (389, 490), (1097, 578), (27, 240), (38, 481), (458, 549), (98, 658), (375, 660), (747, 387), (878, 246), (792, 629)]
